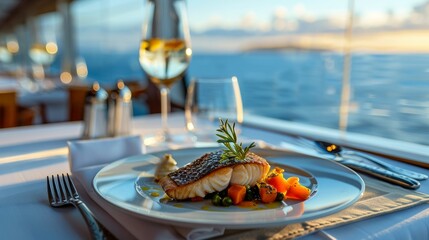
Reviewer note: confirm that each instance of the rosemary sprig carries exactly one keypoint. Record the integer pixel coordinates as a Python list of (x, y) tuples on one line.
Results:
[(228, 138)]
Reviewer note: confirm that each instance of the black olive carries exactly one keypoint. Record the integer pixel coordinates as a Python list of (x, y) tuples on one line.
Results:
[(280, 196), (210, 195), (249, 195), (255, 191), (223, 193)]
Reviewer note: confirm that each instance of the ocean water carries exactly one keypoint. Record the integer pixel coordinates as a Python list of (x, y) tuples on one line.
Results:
[(389, 92)]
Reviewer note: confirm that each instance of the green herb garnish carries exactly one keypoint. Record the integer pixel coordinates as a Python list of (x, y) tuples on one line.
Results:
[(228, 138)]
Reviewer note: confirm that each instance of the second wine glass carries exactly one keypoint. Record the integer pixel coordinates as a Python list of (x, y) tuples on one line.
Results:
[(208, 100), (165, 52), (43, 49)]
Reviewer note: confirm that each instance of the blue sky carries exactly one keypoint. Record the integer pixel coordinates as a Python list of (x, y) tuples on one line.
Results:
[(229, 13), (116, 24)]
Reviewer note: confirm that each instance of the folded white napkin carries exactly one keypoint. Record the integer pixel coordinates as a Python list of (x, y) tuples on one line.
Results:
[(86, 158), (89, 153)]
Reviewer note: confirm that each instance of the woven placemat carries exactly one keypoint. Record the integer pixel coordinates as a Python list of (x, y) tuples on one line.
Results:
[(379, 198)]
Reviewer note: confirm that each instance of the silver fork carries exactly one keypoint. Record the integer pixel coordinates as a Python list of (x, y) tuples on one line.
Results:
[(62, 192)]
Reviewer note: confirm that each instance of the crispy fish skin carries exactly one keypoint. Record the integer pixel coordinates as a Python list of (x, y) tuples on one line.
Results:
[(208, 174)]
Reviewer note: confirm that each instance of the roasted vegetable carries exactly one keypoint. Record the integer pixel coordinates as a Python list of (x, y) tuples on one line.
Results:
[(276, 179), (255, 190), (237, 193), (217, 200), (223, 193), (296, 190), (226, 201), (292, 180), (280, 196), (250, 196), (210, 195), (267, 192)]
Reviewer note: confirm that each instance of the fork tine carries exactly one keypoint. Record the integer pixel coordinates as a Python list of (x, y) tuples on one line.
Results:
[(49, 189), (54, 186), (72, 187), (65, 192), (66, 188), (60, 186)]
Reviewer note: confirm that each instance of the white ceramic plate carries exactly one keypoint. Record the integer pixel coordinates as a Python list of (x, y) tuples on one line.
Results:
[(128, 184)]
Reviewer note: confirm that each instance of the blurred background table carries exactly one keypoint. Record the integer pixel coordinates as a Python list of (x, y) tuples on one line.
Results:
[(48, 105)]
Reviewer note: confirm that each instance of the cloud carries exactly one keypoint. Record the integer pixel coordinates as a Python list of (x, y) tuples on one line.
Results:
[(302, 13), (419, 15), (373, 19), (280, 12), (300, 20), (422, 9), (280, 21), (248, 20), (215, 29), (215, 20)]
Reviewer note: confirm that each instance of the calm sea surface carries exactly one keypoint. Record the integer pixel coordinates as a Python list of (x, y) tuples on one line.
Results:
[(389, 95)]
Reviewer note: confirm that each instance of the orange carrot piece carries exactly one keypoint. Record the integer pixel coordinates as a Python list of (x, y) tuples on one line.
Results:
[(292, 180), (267, 192), (298, 191), (276, 171), (281, 184), (237, 193)]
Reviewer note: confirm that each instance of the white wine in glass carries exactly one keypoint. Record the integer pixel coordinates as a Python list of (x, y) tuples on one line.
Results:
[(43, 54), (164, 60), (165, 52), (43, 48)]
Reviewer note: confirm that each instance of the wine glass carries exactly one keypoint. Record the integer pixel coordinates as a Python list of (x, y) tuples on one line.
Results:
[(165, 52), (5, 55), (43, 49), (208, 100)]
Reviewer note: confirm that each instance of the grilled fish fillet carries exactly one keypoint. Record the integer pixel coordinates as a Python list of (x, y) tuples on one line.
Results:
[(208, 174)]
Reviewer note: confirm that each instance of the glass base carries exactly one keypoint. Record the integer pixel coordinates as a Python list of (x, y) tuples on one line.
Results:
[(167, 142), (204, 137), (176, 141)]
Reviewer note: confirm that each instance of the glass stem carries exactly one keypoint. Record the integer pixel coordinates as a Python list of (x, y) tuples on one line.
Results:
[(165, 109)]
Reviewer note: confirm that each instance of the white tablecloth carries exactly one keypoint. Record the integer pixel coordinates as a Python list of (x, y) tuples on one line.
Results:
[(29, 154)]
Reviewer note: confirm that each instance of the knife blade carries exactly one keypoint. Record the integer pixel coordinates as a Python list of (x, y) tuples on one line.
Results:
[(382, 174)]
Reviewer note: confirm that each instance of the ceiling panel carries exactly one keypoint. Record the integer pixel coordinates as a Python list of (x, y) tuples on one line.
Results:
[(14, 12), (6, 6)]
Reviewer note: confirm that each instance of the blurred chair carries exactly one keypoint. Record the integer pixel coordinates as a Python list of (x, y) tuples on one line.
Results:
[(76, 104), (11, 114), (8, 109), (26, 116)]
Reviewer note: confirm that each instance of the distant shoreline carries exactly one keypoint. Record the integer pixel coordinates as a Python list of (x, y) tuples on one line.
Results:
[(405, 41)]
